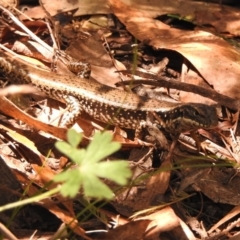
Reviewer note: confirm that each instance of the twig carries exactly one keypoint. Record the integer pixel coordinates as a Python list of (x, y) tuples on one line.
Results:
[(172, 83), (24, 28)]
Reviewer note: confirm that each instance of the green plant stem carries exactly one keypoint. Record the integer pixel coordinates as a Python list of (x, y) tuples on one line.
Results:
[(31, 200)]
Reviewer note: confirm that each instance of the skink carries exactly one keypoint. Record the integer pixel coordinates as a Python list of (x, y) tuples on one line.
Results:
[(107, 104)]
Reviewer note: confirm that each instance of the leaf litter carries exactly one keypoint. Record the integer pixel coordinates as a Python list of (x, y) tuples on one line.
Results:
[(209, 61)]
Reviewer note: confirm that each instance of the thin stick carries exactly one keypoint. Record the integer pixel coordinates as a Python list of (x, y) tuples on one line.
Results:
[(208, 93)]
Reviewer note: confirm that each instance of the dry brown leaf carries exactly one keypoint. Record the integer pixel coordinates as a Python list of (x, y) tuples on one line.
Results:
[(34, 13), (222, 18), (65, 216), (8, 108), (162, 221), (147, 187), (103, 67), (11, 110), (156, 185), (234, 212), (132, 230), (12, 3), (214, 58), (43, 177), (220, 186), (84, 6)]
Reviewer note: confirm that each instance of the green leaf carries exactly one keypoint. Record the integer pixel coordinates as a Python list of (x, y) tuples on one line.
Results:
[(87, 173), (101, 147), (72, 182), (74, 138), (76, 155), (93, 187), (117, 171)]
